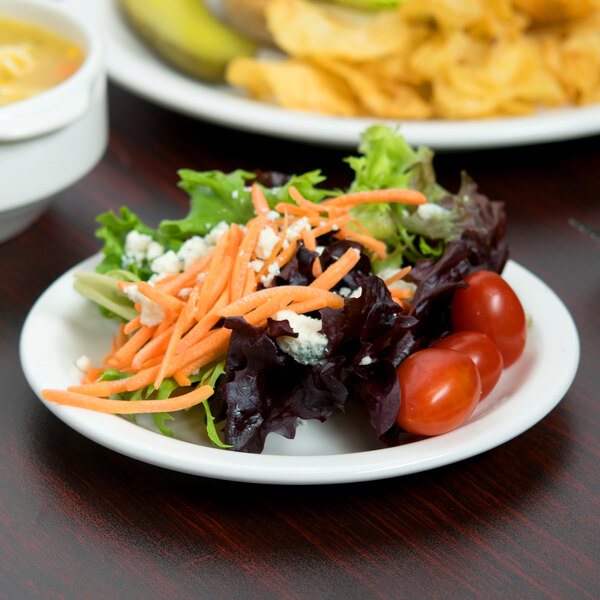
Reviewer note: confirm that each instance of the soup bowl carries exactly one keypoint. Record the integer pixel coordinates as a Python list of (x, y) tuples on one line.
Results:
[(54, 138)]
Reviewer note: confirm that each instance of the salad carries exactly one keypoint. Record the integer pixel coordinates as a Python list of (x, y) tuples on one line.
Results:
[(277, 300)]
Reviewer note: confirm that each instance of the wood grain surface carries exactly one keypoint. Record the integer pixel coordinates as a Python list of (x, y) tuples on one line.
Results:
[(520, 521)]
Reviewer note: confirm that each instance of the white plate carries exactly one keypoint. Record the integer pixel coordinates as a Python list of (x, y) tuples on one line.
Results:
[(133, 66), (62, 326)]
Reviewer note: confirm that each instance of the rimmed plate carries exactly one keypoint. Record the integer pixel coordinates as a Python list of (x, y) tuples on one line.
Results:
[(133, 66), (340, 450)]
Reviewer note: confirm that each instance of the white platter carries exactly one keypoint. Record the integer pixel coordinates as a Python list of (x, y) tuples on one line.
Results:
[(133, 66), (340, 450)]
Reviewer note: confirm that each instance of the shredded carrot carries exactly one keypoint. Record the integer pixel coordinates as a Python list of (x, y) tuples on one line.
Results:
[(323, 226), (108, 388), (376, 246), (224, 284), (93, 374), (301, 201), (124, 355), (295, 293), (181, 379), (216, 281), (317, 267), (259, 201), (132, 325), (293, 209), (308, 237), (401, 292), (122, 407), (240, 267), (155, 347), (336, 271), (167, 301), (387, 195), (399, 275), (185, 279)]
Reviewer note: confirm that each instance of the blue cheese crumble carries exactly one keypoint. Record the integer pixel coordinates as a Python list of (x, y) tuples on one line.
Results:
[(309, 346)]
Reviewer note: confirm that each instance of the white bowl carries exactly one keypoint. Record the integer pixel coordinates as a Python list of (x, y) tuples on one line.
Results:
[(49, 141)]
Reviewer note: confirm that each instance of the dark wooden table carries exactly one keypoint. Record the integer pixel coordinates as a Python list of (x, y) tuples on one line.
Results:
[(520, 521)]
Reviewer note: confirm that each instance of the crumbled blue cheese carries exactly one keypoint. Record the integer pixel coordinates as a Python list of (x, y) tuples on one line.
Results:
[(212, 237), (430, 210), (266, 242), (272, 272), (191, 250), (84, 363), (136, 246), (166, 264), (309, 346), (152, 313), (357, 293), (365, 360), (257, 265), (273, 215), (296, 228)]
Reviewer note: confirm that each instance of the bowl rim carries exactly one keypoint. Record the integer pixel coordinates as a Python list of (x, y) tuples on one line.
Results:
[(63, 92)]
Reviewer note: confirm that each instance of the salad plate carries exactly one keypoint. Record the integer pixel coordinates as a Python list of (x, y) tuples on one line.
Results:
[(136, 68), (344, 448)]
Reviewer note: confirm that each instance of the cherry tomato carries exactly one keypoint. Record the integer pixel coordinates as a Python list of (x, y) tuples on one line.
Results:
[(482, 351), (490, 306), (439, 389)]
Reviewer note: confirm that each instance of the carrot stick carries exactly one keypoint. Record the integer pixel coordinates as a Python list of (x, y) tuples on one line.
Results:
[(240, 266), (204, 352), (399, 275), (154, 347), (388, 195), (401, 292), (181, 379), (214, 285), (167, 301), (197, 395), (261, 206), (187, 278), (303, 202), (132, 325), (295, 293), (125, 354), (250, 285), (309, 240), (323, 226), (292, 209), (108, 388), (376, 246), (336, 271)]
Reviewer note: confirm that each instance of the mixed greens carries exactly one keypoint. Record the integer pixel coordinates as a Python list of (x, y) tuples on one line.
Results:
[(260, 389)]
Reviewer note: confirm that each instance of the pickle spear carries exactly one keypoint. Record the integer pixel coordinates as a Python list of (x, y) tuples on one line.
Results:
[(187, 35)]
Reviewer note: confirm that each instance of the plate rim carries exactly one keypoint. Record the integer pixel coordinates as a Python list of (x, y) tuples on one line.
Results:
[(186, 457), (212, 103)]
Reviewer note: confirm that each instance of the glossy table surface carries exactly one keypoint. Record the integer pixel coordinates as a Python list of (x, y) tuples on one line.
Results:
[(520, 521)]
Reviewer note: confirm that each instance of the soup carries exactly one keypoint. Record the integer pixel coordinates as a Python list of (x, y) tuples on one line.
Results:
[(33, 59)]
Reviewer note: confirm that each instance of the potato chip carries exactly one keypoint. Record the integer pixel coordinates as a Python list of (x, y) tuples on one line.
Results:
[(294, 84), (473, 78), (303, 29), (447, 59), (572, 53), (557, 11), (380, 98)]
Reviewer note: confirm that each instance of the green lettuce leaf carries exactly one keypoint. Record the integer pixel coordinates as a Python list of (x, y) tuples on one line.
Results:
[(214, 197)]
